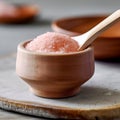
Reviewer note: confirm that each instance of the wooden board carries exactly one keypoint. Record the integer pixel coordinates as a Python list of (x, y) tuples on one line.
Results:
[(98, 99)]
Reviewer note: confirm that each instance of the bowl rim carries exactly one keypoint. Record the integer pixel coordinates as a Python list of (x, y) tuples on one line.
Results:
[(55, 25), (21, 47)]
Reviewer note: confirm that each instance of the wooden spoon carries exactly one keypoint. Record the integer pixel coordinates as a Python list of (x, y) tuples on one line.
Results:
[(87, 38)]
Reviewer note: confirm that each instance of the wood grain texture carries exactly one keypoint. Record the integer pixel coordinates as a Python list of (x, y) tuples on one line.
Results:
[(99, 98)]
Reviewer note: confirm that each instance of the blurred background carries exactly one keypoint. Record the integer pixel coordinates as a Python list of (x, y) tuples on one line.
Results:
[(49, 10)]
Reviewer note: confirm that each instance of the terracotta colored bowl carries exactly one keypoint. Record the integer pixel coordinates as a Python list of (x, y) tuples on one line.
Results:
[(106, 46), (23, 13), (54, 75)]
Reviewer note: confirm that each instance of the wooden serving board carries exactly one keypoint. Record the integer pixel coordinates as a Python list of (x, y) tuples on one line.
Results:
[(98, 99)]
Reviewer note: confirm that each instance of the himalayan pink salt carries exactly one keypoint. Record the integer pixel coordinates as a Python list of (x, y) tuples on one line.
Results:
[(52, 42)]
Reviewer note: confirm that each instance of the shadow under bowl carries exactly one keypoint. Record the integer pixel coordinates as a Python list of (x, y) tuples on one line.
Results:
[(54, 75), (106, 46)]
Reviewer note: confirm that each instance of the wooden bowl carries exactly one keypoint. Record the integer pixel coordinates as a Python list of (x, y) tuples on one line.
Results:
[(106, 46), (20, 14), (54, 75)]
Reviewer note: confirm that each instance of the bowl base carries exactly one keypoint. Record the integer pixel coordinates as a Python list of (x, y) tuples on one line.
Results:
[(54, 94)]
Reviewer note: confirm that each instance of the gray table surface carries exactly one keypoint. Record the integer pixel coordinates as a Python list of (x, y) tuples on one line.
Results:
[(11, 35)]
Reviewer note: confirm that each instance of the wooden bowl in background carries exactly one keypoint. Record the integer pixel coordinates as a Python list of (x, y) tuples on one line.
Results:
[(18, 14), (106, 46)]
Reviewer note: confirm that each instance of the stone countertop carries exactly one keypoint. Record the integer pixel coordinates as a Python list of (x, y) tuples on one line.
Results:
[(11, 35)]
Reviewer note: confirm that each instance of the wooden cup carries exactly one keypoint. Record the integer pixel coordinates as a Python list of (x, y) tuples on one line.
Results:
[(54, 75)]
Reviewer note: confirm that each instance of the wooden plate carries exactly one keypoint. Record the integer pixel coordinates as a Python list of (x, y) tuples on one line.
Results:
[(106, 45), (98, 99)]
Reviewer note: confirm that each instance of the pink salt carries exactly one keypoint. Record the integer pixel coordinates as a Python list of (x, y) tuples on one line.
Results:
[(52, 42)]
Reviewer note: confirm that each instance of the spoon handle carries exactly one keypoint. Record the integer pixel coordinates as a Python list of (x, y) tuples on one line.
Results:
[(92, 34)]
